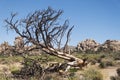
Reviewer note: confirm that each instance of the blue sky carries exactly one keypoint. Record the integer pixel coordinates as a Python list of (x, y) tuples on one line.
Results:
[(94, 19)]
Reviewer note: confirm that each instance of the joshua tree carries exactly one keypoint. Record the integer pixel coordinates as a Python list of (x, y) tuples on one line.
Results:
[(42, 29)]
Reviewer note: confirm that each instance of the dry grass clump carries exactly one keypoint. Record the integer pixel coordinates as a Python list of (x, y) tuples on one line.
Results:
[(92, 74)]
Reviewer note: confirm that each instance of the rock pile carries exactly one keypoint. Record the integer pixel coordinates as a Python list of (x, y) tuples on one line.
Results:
[(88, 44), (92, 45), (19, 42), (18, 48), (110, 45), (5, 49)]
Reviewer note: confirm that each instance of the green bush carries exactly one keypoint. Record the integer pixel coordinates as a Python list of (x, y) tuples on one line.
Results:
[(92, 74), (102, 65), (73, 70)]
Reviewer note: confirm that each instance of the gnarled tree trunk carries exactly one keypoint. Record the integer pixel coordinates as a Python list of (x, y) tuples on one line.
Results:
[(41, 28)]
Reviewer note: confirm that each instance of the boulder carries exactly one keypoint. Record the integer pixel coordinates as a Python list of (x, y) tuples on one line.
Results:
[(19, 42), (110, 45), (88, 44), (92, 45)]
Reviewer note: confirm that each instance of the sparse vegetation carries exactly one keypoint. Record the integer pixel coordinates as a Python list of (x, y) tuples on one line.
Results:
[(114, 78), (116, 55), (117, 77), (92, 74), (104, 64), (5, 60), (31, 68)]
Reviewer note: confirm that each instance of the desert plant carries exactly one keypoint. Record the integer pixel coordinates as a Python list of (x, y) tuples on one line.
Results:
[(114, 78), (72, 70), (92, 74), (116, 55), (102, 65), (106, 63), (31, 68), (5, 77), (118, 71)]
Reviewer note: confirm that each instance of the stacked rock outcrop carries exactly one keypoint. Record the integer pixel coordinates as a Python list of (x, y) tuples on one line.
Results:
[(88, 44), (92, 45)]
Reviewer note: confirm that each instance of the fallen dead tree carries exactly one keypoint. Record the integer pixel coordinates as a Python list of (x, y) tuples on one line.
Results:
[(34, 68), (41, 28)]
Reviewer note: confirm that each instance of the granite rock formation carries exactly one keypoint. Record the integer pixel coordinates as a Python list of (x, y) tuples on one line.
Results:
[(92, 45), (110, 45), (88, 44)]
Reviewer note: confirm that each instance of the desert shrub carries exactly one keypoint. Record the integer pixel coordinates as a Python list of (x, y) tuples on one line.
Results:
[(31, 68), (54, 76), (91, 57), (102, 55), (72, 70), (116, 55), (106, 63), (118, 71), (10, 60), (35, 68), (72, 75), (5, 77), (92, 74), (102, 65), (93, 62), (114, 78)]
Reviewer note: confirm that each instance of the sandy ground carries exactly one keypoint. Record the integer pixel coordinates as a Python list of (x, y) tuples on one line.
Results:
[(107, 72)]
